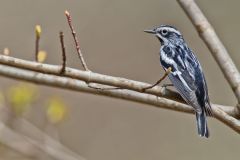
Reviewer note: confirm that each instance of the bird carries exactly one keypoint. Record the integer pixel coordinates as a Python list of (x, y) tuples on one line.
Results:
[(185, 73)]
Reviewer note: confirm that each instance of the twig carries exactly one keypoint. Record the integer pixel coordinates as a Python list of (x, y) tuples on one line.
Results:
[(80, 55), (214, 44), (64, 58), (38, 31), (160, 80)]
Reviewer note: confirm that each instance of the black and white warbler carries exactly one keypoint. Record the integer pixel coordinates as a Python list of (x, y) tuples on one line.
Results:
[(185, 73)]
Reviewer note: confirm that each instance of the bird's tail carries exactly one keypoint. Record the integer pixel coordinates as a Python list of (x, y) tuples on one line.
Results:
[(202, 124)]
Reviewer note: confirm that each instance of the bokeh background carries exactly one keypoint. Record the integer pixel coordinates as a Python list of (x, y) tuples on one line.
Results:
[(113, 42)]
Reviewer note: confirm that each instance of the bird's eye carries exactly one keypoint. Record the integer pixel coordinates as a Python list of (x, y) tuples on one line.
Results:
[(164, 32)]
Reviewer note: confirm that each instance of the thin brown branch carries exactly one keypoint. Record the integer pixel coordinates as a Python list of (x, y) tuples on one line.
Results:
[(214, 44), (64, 57), (160, 80), (77, 85), (80, 55)]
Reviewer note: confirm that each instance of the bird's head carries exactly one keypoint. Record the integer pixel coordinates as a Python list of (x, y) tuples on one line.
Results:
[(166, 34)]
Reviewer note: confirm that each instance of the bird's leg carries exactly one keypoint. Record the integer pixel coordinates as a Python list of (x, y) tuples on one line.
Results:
[(160, 80)]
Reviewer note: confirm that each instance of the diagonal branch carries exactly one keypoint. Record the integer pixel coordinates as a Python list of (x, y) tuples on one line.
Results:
[(81, 86), (214, 44), (77, 85), (90, 77), (27, 146)]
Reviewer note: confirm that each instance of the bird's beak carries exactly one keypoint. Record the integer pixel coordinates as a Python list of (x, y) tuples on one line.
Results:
[(152, 31)]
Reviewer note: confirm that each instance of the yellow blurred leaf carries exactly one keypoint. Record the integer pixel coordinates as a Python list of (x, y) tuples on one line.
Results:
[(42, 55), (38, 31), (21, 96), (56, 110)]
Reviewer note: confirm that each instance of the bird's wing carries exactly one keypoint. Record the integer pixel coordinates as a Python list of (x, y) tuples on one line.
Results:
[(195, 70), (182, 82), (208, 108), (183, 75)]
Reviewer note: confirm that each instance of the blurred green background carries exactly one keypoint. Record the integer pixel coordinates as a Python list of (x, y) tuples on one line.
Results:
[(113, 43)]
